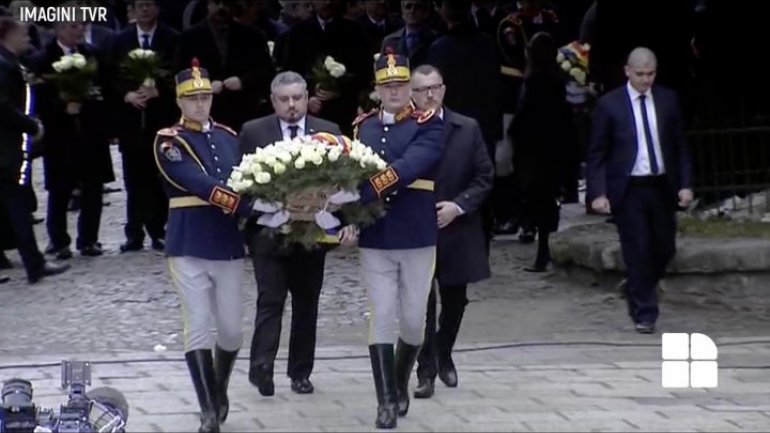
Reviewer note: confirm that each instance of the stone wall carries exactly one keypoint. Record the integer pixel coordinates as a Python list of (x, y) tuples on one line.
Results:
[(729, 273)]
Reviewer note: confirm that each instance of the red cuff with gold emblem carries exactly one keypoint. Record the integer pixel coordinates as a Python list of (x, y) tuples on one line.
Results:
[(383, 180), (225, 199)]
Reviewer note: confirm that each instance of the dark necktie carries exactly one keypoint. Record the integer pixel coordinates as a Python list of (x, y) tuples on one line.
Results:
[(648, 136), (411, 42), (293, 131), (145, 41)]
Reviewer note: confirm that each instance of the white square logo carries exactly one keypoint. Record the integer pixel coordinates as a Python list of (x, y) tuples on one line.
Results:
[(689, 360)]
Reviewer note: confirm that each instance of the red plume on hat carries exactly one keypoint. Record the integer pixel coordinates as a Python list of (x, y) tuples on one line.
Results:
[(389, 50)]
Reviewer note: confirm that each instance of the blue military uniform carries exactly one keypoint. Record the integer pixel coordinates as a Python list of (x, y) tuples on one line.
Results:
[(398, 252), (204, 245)]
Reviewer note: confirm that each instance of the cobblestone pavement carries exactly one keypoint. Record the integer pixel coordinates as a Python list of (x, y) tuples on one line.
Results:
[(118, 307), (564, 388)]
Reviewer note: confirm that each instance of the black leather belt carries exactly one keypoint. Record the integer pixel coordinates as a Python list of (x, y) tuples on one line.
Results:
[(647, 180)]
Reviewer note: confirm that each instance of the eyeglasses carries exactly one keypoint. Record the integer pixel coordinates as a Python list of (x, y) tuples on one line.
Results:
[(433, 89)]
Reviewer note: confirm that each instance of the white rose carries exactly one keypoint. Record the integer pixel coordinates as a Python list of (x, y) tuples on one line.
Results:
[(236, 175), (337, 70), (317, 160), (580, 77), (587, 47), (284, 156), (329, 62), (560, 57), (66, 62), (255, 169), (78, 60), (133, 54), (377, 56), (574, 72), (334, 154), (566, 65), (299, 164), (279, 168), (58, 66), (149, 54), (246, 184), (381, 165), (262, 178)]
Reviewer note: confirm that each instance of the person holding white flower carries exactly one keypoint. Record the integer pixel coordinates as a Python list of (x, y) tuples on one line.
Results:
[(76, 145), (145, 105), (204, 245), (280, 270), (398, 252)]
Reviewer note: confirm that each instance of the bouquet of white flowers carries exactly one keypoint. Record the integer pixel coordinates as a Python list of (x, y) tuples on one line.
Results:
[(328, 74), (573, 59), (299, 184), (143, 67), (73, 77)]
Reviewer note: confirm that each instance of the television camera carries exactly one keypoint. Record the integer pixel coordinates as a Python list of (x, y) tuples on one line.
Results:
[(99, 410)]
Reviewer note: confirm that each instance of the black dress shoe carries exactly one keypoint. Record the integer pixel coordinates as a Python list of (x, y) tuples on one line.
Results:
[(645, 328), (4, 279), (36, 220), (425, 388), (261, 376), (447, 372), (63, 253), (131, 246), (47, 270), (302, 386), (92, 250), (527, 237), (535, 269), (158, 244)]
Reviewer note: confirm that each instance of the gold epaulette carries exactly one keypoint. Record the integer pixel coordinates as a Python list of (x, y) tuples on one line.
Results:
[(168, 132), (226, 128), (361, 117), (424, 116)]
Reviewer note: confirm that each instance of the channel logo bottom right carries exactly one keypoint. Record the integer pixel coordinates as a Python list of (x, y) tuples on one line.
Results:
[(689, 361)]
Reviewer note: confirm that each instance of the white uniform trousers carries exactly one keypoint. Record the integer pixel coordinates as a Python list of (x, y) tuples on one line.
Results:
[(398, 284), (209, 288)]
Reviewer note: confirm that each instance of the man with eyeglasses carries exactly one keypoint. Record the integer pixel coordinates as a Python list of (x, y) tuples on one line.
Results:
[(416, 36), (463, 182)]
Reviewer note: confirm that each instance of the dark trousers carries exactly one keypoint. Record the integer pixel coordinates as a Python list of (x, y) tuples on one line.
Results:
[(15, 204), (146, 202), (543, 212), (301, 273), (646, 224), (89, 218), (438, 344)]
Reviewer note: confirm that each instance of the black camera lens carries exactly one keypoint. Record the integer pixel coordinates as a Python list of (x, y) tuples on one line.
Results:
[(17, 393)]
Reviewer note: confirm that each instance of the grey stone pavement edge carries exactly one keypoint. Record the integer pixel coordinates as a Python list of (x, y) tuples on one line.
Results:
[(536, 352)]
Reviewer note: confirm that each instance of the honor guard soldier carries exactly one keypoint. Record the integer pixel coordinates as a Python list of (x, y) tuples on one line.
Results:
[(203, 243), (398, 252)]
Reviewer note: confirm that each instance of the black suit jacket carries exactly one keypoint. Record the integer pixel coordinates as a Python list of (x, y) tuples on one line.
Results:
[(306, 44), (465, 177), (259, 133), (470, 65), (375, 33), (613, 147), (13, 121), (160, 111), (75, 148), (397, 41), (247, 57)]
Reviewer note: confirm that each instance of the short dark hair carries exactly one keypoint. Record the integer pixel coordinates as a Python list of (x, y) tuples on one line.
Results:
[(457, 11), (426, 69)]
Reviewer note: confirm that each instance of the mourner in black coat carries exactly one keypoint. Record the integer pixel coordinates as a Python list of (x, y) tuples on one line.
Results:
[(143, 111), (76, 148), (17, 130), (416, 36), (239, 63), (328, 33), (463, 183)]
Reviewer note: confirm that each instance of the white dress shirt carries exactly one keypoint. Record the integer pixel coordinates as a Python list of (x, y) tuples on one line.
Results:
[(642, 165), (286, 132), (140, 33)]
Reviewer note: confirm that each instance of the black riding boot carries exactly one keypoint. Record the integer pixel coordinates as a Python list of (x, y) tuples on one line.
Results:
[(223, 366), (406, 355), (384, 370), (201, 366)]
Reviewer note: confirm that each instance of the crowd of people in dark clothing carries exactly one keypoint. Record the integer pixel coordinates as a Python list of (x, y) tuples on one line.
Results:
[(497, 59)]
